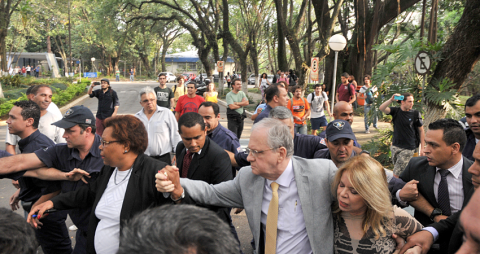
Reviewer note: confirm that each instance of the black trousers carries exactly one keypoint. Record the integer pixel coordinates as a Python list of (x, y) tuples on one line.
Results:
[(235, 124), (165, 158)]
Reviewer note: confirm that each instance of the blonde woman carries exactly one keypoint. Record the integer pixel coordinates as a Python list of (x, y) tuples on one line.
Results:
[(364, 219), (211, 93)]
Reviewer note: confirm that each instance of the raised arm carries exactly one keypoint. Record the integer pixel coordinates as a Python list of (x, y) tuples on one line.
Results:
[(20, 162)]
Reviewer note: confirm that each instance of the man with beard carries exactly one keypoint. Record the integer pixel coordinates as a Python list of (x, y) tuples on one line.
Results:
[(472, 112)]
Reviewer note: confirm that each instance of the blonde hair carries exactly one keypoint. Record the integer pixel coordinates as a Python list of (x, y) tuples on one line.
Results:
[(368, 178)]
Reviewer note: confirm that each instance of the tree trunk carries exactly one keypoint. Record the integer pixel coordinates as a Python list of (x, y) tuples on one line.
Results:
[(460, 53)]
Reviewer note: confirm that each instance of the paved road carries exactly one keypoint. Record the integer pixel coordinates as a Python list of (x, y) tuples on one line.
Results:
[(128, 93)]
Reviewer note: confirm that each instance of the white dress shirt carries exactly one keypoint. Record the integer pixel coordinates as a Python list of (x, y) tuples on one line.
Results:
[(291, 230), (455, 186), (162, 131)]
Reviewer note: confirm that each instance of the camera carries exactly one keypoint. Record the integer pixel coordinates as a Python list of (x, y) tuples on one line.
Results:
[(96, 83)]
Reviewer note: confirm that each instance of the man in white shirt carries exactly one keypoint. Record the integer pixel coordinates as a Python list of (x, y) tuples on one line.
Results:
[(161, 126), (318, 102), (42, 95)]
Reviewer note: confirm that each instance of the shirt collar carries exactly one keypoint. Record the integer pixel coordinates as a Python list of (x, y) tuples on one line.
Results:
[(24, 141), (456, 170), (286, 177)]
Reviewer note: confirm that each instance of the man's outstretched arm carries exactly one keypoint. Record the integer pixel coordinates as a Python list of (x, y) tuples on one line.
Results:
[(20, 162)]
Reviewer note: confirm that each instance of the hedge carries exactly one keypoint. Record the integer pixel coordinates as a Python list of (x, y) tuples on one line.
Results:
[(61, 97)]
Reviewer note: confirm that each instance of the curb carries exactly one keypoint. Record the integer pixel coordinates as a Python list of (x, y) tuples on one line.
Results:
[(64, 108), (223, 103)]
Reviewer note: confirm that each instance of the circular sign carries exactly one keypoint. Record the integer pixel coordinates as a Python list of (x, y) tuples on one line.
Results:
[(314, 64), (422, 63)]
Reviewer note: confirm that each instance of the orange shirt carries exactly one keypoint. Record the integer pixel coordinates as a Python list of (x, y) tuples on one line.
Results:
[(298, 108)]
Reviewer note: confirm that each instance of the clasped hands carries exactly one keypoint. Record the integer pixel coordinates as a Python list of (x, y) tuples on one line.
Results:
[(168, 181)]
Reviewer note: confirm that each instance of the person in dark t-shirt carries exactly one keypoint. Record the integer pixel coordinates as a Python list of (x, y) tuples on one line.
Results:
[(165, 97), (406, 123)]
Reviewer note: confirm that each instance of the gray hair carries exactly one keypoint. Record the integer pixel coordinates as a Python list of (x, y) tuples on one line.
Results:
[(278, 134), (147, 90), (280, 112)]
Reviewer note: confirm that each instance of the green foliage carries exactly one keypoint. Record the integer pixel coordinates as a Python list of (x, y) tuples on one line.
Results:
[(379, 147), (59, 86), (9, 82), (14, 93)]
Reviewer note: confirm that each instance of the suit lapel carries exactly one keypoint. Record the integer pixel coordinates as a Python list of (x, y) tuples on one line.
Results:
[(427, 179), (131, 192), (257, 199), (197, 158), (467, 181)]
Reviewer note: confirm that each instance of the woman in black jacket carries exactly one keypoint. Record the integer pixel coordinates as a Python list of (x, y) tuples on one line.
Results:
[(125, 186)]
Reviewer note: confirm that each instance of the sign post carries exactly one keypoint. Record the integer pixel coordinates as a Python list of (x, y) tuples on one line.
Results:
[(220, 68), (314, 72), (422, 66)]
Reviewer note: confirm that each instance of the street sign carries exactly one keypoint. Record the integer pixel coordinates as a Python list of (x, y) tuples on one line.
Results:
[(89, 74), (314, 72), (78, 62), (422, 62), (220, 66)]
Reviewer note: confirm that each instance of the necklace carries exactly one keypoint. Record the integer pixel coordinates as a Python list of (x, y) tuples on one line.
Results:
[(115, 178)]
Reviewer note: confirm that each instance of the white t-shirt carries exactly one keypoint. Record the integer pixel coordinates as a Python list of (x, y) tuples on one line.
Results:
[(107, 234), (45, 127), (55, 110), (317, 105), (29, 68)]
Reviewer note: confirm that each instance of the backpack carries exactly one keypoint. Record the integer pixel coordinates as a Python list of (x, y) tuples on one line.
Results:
[(369, 96)]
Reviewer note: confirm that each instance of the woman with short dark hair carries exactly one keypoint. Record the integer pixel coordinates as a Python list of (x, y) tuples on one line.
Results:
[(125, 186)]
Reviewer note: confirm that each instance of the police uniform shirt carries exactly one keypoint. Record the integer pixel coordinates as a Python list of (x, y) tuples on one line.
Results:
[(225, 138), (65, 159), (31, 189)]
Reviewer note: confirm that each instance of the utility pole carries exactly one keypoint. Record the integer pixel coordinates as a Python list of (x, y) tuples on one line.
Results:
[(69, 38)]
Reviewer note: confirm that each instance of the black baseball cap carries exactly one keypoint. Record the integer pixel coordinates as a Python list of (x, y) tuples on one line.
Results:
[(76, 115), (106, 80), (339, 129)]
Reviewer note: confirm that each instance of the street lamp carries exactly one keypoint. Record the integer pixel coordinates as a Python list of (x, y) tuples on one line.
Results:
[(93, 64), (336, 43)]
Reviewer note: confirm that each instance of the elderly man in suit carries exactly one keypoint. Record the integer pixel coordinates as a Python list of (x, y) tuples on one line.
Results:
[(443, 174), (275, 179)]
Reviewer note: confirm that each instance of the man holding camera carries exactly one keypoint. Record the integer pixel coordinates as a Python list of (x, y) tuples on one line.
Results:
[(107, 103), (407, 130)]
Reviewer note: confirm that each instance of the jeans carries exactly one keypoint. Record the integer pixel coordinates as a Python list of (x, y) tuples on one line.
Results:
[(366, 109), (302, 129), (131, 77), (117, 78)]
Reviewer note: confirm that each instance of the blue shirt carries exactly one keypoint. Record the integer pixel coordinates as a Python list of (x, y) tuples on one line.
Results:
[(65, 159), (262, 115), (225, 138), (14, 176), (31, 189)]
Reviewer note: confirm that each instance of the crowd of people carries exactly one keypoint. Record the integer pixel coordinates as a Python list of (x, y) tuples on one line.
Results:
[(25, 70), (120, 177)]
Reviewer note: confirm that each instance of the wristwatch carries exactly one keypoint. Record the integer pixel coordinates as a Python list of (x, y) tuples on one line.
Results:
[(180, 198), (365, 151), (435, 212)]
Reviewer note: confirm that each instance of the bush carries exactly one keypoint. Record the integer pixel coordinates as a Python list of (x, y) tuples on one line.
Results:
[(9, 82), (379, 147), (15, 93), (59, 86)]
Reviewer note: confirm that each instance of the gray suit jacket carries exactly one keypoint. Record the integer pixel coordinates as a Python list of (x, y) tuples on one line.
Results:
[(313, 178)]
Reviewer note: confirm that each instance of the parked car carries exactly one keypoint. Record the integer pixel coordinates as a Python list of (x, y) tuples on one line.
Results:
[(270, 78), (252, 79), (170, 76), (203, 75)]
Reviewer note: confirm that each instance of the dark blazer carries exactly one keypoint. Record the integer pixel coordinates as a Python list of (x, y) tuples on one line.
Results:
[(212, 165), (141, 194), (449, 230), (419, 170)]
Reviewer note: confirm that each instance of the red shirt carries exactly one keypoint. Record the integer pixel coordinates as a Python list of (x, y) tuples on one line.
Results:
[(24, 70), (345, 92), (186, 104)]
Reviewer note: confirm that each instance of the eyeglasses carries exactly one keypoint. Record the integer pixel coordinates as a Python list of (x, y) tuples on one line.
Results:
[(255, 152), (105, 143)]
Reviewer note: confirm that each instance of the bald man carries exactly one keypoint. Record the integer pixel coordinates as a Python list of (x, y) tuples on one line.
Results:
[(342, 111)]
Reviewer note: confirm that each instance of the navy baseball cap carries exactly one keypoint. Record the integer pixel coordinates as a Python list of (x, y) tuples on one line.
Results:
[(339, 129), (76, 115)]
